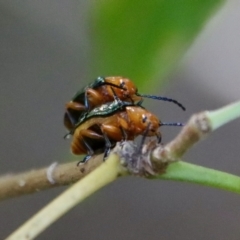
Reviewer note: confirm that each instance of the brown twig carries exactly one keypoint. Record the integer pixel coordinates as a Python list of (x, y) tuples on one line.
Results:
[(197, 128), (69, 198), (144, 160), (147, 161), (152, 158), (13, 185)]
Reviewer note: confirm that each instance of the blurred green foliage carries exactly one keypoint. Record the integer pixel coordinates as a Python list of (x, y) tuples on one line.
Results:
[(143, 40)]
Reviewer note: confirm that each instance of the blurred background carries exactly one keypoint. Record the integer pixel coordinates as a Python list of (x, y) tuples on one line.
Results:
[(44, 60)]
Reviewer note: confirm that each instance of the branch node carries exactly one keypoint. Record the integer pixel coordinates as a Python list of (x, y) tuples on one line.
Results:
[(49, 172), (139, 161), (21, 183), (202, 122)]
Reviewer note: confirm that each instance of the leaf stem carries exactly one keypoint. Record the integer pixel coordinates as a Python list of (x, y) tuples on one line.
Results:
[(224, 115), (100, 177), (187, 172), (32, 181)]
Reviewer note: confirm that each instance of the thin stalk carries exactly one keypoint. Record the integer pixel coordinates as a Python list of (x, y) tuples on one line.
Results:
[(224, 115), (100, 177), (187, 172)]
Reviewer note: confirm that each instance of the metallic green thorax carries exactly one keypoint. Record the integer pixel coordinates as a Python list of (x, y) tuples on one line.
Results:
[(106, 110)]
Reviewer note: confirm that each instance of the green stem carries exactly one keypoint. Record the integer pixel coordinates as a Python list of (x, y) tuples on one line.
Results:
[(224, 115), (100, 177), (187, 172)]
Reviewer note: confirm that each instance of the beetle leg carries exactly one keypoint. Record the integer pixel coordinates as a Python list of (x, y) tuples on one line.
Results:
[(111, 131), (117, 133), (82, 137), (78, 147), (159, 137), (90, 150), (124, 127), (107, 146), (89, 154), (75, 106), (145, 133), (116, 98), (121, 86), (124, 134), (90, 134), (114, 94), (85, 159), (69, 117), (68, 120), (86, 103), (108, 132), (92, 96)]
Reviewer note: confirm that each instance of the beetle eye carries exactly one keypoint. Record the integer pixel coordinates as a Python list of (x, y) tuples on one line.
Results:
[(144, 118)]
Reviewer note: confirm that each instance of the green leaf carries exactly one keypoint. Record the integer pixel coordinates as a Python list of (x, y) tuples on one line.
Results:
[(143, 40)]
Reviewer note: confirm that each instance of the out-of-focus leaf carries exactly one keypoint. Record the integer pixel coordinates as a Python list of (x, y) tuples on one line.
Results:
[(143, 40)]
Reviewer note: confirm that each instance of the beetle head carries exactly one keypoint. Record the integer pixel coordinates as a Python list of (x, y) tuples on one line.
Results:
[(127, 87), (143, 119)]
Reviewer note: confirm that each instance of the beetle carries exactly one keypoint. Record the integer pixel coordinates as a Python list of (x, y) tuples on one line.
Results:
[(107, 109), (96, 94), (100, 92), (100, 133), (104, 111)]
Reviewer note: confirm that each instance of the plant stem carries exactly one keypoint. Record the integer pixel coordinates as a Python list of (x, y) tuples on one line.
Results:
[(12, 185), (224, 115), (187, 172), (100, 177)]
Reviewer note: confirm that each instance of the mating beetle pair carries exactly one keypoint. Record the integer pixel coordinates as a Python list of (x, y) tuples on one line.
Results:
[(100, 92), (105, 112)]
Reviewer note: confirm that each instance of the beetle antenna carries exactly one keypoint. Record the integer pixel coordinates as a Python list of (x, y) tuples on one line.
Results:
[(116, 98), (116, 86), (172, 124), (144, 138), (163, 99)]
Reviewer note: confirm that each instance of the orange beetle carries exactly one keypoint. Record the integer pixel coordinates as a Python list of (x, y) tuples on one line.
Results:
[(96, 94), (100, 92), (100, 134)]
